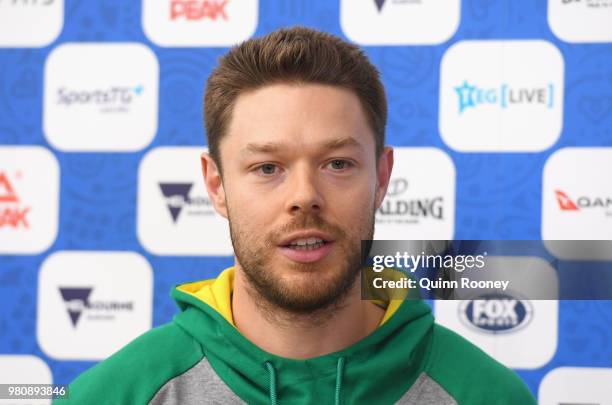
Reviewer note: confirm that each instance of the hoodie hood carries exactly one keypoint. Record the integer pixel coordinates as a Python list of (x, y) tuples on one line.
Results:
[(378, 369)]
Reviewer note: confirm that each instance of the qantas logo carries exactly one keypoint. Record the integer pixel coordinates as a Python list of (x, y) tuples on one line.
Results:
[(565, 203), (583, 202), (12, 214)]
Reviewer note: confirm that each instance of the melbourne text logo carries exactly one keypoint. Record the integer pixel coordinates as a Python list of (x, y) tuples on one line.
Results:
[(78, 303)]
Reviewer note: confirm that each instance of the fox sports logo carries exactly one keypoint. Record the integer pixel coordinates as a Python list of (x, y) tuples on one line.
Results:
[(496, 313)]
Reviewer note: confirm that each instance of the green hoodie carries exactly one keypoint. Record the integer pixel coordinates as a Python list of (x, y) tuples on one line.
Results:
[(201, 358)]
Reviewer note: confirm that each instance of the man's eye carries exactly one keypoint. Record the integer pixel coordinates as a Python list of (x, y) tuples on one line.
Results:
[(267, 168), (339, 164)]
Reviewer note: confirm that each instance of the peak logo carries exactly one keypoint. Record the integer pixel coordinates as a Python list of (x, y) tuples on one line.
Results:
[(12, 213), (583, 202), (504, 96), (496, 313), (29, 199), (198, 10), (177, 198), (180, 23)]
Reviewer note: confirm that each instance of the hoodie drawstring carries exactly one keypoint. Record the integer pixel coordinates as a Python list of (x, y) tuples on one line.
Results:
[(272, 373), (339, 376)]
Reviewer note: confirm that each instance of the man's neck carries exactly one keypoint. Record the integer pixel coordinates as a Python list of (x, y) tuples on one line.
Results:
[(302, 336)]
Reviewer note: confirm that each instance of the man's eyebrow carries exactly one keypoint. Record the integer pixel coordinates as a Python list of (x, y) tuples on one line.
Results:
[(271, 147)]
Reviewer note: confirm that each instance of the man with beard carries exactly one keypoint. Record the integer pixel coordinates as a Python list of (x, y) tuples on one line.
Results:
[(295, 124)]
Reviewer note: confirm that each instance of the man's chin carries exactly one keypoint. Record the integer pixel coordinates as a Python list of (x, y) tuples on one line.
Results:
[(303, 291)]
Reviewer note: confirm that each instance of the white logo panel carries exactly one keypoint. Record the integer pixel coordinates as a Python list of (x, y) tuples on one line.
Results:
[(516, 331), (199, 22), (577, 202), (501, 96), (29, 199), (24, 369), (30, 23), (420, 199), (576, 386), (581, 20), (395, 22), (91, 304), (101, 97), (175, 215)]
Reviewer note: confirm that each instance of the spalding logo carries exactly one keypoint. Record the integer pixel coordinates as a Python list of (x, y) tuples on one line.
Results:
[(496, 313)]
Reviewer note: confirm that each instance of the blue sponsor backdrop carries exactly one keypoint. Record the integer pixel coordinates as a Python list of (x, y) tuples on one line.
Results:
[(498, 195)]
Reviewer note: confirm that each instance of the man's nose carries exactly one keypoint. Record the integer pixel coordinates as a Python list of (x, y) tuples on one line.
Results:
[(304, 194)]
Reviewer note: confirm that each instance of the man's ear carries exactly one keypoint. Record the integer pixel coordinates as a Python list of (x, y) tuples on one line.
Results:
[(383, 174), (214, 183)]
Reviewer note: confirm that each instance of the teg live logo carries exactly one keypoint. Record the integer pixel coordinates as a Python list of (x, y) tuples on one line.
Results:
[(501, 96), (199, 22), (18, 17)]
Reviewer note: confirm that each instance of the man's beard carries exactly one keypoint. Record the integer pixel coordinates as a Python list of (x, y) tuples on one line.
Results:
[(321, 293)]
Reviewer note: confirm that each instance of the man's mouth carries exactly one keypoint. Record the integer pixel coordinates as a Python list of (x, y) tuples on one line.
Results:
[(307, 244)]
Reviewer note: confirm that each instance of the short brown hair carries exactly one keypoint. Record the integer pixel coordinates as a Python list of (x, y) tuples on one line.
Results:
[(298, 55)]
